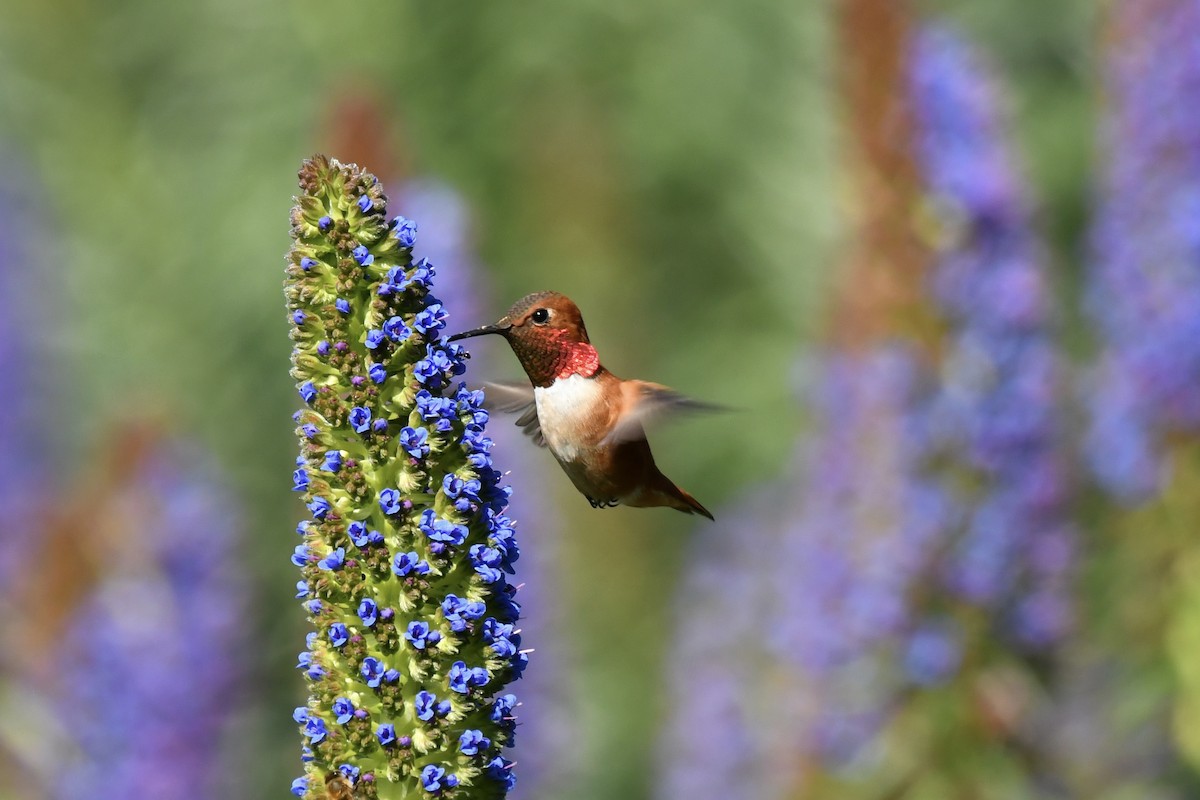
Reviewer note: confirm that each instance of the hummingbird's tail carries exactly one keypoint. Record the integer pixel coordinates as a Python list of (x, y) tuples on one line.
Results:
[(674, 497)]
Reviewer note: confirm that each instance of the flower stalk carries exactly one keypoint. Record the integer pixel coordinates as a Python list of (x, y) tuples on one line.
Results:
[(407, 548)]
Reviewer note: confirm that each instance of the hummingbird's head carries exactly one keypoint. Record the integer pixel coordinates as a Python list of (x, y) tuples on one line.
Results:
[(547, 334)]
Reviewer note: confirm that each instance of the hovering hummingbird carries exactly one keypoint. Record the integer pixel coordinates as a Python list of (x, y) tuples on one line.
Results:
[(589, 418)]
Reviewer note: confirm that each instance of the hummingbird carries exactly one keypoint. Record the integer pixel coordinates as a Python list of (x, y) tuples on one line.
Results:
[(589, 419)]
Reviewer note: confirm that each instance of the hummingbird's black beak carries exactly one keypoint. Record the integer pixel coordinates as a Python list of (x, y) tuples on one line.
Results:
[(486, 329)]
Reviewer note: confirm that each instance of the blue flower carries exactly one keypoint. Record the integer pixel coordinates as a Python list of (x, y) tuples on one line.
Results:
[(357, 531), (377, 373), (333, 461), (298, 317), (502, 707), (323, 347), (334, 561), (307, 263), (472, 741), (405, 231), (301, 588), (368, 611), (364, 203), (343, 305), (386, 733), (422, 275), (417, 634), (349, 771), (309, 430), (375, 338), (314, 729), (405, 563), (389, 501), (307, 391), (300, 785), (300, 714), (413, 440), (431, 778), (319, 507), (425, 704), (300, 480), (372, 671), (338, 634), (362, 256), (360, 419), (396, 330), (461, 677), (379, 425), (430, 319), (343, 710), (324, 222)]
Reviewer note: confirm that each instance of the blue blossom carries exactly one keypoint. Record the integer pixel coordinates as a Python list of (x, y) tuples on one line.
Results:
[(390, 501), (425, 705), (396, 330), (430, 319), (314, 729), (364, 203), (372, 671), (309, 430), (360, 419), (375, 338), (357, 531), (417, 634), (301, 587), (410, 562), (324, 222), (368, 611), (462, 678), (338, 634), (414, 441), (377, 373), (319, 507), (307, 263), (386, 733), (431, 777), (298, 317), (300, 480), (343, 710), (300, 786), (472, 741), (334, 561), (333, 461), (362, 255), (405, 231), (323, 347), (343, 305), (307, 391)]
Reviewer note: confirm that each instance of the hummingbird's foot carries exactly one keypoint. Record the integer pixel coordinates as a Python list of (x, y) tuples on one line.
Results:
[(603, 503)]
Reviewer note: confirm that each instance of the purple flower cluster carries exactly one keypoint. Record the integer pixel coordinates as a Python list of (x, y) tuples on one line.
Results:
[(152, 655), (413, 516), (996, 414), (932, 492), (1144, 287)]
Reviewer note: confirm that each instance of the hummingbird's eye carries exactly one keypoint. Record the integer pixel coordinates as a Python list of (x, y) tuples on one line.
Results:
[(540, 317)]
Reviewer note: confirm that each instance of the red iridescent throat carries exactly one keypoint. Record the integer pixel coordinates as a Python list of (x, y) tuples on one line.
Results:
[(577, 358)]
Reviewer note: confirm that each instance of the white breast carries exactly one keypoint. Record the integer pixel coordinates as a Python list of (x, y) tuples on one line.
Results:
[(565, 411)]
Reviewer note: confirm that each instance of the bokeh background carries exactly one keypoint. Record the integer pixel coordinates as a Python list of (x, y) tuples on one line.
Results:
[(941, 259)]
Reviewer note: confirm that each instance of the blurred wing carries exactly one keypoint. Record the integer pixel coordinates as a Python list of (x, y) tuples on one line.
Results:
[(645, 401), (515, 398)]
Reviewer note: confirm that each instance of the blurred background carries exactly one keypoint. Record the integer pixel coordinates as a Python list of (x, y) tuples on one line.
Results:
[(943, 260)]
